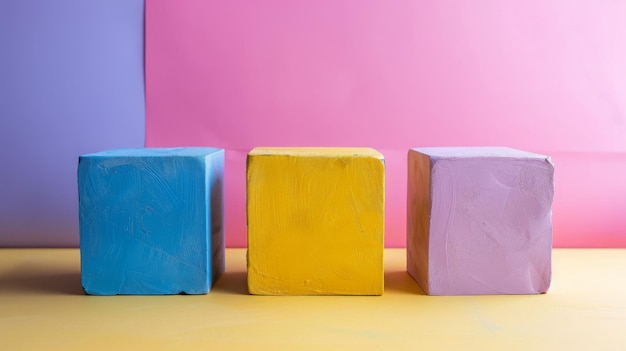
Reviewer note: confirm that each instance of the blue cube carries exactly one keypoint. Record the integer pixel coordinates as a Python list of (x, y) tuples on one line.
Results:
[(151, 220)]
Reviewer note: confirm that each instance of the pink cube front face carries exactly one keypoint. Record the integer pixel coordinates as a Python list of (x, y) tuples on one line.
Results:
[(479, 220)]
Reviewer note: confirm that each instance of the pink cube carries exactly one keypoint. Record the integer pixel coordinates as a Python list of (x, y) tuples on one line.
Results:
[(479, 220)]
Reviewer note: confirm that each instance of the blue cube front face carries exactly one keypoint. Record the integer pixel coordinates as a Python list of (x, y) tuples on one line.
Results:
[(151, 220)]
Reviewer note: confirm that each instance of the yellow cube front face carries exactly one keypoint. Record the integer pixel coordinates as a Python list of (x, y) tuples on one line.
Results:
[(315, 221)]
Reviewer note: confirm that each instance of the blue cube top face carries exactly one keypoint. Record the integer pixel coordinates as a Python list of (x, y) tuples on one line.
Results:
[(151, 220), (158, 152)]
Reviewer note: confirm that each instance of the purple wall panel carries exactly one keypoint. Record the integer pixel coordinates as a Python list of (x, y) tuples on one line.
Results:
[(71, 82)]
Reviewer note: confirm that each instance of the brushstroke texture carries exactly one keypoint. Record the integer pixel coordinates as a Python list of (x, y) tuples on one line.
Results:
[(315, 221), (490, 223), (151, 220)]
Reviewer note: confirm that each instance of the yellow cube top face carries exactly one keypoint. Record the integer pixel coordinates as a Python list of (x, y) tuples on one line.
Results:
[(316, 151), (315, 221)]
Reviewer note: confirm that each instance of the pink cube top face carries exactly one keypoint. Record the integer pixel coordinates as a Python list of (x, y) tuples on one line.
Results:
[(490, 226)]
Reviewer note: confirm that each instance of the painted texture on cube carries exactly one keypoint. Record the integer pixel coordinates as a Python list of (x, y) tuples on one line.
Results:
[(151, 220), (489, 229), (315, 221), (418, 219)]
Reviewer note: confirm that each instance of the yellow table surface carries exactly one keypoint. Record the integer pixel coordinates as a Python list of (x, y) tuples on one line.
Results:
[(42, 307)]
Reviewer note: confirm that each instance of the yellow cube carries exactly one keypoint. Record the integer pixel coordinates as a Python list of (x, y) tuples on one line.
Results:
[(315, 221)]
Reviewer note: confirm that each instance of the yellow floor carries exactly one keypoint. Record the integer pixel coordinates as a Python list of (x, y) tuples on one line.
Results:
[(42, 307)]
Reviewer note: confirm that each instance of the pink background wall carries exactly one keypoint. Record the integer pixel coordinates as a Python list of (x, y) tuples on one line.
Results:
[(546, 76)]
